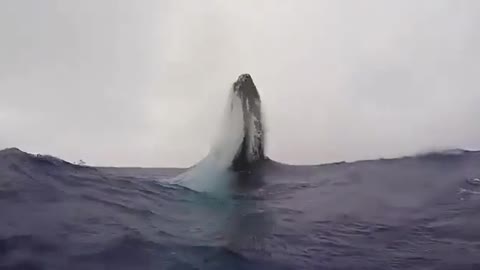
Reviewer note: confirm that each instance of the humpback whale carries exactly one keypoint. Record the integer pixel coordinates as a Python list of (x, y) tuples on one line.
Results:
[(251, 150), (239, 147)]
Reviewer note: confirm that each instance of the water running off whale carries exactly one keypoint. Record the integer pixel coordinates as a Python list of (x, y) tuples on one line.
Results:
[(239, 145)]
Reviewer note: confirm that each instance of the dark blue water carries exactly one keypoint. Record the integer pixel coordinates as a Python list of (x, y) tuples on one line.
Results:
[(412, 213)]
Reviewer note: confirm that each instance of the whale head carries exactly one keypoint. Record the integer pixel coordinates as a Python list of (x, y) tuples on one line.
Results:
[(251, 150)]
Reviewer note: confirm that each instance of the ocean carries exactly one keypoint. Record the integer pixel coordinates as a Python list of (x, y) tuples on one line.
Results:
[(419, 212)]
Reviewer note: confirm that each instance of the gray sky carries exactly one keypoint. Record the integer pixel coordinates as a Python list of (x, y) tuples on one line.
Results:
[(142, 83)]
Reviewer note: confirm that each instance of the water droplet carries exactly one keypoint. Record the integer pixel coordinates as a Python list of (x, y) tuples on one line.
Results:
[(474, 181)]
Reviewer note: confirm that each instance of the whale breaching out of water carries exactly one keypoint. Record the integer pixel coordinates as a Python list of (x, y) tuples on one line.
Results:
[(239, 146), (251, 149)]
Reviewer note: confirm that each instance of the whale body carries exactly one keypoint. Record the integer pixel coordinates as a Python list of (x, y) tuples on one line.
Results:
[(238, 150), (251, 150)]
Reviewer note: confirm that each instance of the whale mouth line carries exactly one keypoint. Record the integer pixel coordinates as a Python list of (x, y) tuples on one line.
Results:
[(239, 145)]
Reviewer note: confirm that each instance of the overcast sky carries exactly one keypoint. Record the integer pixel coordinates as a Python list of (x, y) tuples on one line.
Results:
[(142, 83)]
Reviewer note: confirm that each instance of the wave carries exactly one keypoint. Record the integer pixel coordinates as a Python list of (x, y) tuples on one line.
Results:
[(57, 215)]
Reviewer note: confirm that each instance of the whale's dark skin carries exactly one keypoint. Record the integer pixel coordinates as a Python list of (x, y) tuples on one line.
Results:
[(250, 160), (251, 105)]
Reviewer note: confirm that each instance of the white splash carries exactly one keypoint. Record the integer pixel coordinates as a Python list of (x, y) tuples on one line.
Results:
[(212, 174)]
